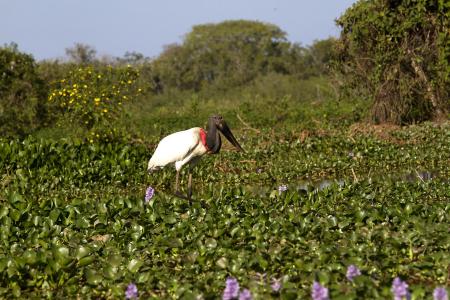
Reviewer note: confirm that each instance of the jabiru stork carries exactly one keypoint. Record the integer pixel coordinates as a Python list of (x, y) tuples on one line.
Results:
[(189, 146)]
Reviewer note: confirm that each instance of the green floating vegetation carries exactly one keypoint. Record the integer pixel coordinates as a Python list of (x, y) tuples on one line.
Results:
[(74, 221)]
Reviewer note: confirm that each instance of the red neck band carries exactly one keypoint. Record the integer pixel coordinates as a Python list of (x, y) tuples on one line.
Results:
[(203, 138)]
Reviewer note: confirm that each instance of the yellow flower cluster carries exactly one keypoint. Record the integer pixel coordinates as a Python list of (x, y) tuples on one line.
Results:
[(94, 96)]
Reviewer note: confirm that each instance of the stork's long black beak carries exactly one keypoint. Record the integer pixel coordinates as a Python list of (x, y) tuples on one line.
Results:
[(226, 131)]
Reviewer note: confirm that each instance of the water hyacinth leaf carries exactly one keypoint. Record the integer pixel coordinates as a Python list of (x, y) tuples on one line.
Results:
[(323, 277), (4, 211), (191, 257), (236, 267), (92, 277), (263, 263), (85, 261), (174, 243), (115, 260), (61, 252), (144, 277), (102, 208), (11, 269), (82, 251), (16, 197), (418, 292), (3, 263), (134, 265), (170, 219), (14, 214), (235, 231), (135, 235), (29, 256), (137, 231), (53, 266), (54, 214), (5, 229), (16, 291), (222, 262), (116, 291), (110, 272), (82, 222), (211, 243)]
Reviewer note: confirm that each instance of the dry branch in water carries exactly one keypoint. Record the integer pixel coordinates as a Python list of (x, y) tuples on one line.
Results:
[(246, 124)]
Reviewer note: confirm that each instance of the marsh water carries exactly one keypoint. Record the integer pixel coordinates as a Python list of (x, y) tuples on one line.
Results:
[(321, 184)]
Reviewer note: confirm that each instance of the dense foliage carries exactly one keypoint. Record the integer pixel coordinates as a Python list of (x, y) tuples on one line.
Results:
[(74, 222), (93, 98), (22, 93), (397, 54)]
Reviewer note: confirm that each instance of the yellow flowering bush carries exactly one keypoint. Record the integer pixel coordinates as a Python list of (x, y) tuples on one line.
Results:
[(94, 97)]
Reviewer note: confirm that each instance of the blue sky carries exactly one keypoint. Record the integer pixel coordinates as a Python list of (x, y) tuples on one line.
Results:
[(45, 28)]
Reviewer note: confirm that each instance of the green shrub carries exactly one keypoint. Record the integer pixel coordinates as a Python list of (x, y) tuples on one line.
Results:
[(93, 98), (396, 54), (22, 93)]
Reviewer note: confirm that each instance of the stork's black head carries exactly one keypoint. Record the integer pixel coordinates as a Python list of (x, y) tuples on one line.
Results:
[(222, 126)]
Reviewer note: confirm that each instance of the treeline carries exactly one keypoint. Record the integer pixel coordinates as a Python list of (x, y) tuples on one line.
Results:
[(392, 54), (213, 57), (222, 55)]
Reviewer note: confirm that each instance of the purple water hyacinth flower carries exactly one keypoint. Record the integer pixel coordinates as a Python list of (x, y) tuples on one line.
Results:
[(400, 289), (131, 292), (276, 285), (231, 289), (440, 293), (319, 292), (282, 188), (245, 295), (149, 194), (352, 272)]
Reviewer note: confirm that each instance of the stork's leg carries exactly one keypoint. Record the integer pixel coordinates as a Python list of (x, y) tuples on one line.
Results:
[(189, 193), (192, 162), (177, 187), (177, 183)]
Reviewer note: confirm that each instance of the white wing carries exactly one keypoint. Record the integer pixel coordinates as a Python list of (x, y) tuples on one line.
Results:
[(176, 147)]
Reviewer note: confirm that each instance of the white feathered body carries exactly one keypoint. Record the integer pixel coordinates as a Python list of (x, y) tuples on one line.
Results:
[(179, 148)]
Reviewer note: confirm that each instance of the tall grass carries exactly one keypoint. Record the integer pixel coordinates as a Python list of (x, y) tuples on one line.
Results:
[(275, 101)]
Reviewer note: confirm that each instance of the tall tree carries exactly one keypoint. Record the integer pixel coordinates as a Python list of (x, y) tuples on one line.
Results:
[(81, 53), (227, 53)]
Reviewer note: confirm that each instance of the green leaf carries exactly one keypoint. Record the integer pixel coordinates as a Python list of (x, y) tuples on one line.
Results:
[(54, 214), (4, 211), (85, 261), (222, 262), (211, 243), (92, 277), (82, 251), (134, 265)]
